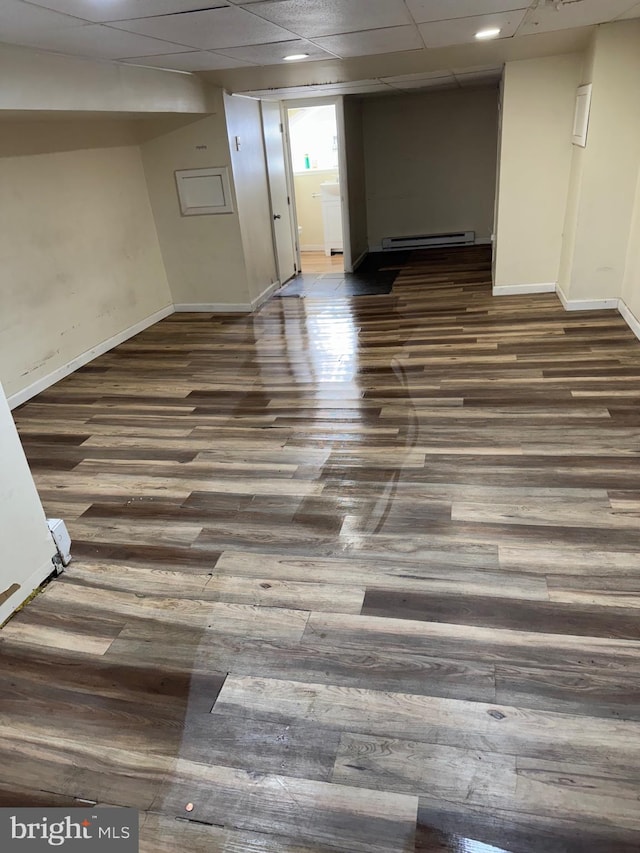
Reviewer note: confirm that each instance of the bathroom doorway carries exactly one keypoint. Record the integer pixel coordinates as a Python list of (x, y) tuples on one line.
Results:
[(315, 160)]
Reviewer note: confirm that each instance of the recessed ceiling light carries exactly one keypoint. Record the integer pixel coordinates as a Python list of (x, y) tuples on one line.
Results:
[(295, 56), (490, 33)]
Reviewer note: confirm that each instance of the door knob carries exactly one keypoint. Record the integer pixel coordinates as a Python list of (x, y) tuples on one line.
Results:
[(277, 216)]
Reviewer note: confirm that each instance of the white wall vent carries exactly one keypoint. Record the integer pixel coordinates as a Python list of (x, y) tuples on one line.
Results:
[(422, 241)]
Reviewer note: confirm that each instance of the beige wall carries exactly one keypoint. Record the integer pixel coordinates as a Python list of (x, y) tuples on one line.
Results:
[(27, 547), (356, 177), (431, 162), (203, 255), (573, 190), (81, 260), (535, 163), (604, 173), (51, 133), (631, 286), (36, 80), (252, 192), (308, 208)]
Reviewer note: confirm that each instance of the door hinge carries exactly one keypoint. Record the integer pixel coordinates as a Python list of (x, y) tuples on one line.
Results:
[(281, 128), (288, 200)]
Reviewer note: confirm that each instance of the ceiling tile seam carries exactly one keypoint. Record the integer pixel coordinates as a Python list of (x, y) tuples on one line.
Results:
[(294, 36), (415, 24), (221, 50), (62, 14), (324, 35), (527, 17), (634, 5), (218, 52), (174, 14), (324, 49), (357, 32), (262, 18), (191, 48), (481, 15)]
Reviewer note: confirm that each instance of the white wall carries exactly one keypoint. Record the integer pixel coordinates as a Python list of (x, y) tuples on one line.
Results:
[(244, 121), (604, 173), (430, 162), (203, 255), (356, 177), (27, 547), (309, 206), (80, 258), (535, 164)]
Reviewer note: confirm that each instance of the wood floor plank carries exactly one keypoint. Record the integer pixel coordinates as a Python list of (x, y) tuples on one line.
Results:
[(444, 772), (554, 617), (441, 572), (264, 590), (480, 726), (339, 816)]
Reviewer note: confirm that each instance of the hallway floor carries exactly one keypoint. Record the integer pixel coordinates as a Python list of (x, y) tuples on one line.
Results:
[(318, 262), (358, 575)]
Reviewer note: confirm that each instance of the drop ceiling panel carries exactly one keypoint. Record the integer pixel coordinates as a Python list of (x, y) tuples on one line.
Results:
[(582, 14), (442, 10), (118, 10), (212, 28), (385, 40), (461, 30), (358, 87), (103, 42), (197, 60), (447, 81), (479, 78), (271, 54), (421, 76), (632, 13), (354, 89), (18, 20), (330, 17)]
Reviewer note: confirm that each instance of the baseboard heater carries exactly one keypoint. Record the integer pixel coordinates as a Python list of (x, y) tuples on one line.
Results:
[(423, 241)]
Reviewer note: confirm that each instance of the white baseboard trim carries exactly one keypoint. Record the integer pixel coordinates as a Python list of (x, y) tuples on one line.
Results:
[(227, 307), (561, 296), (359, 260), (519, 289), (266, 293), (39, 385), (630, 318), (586, 304), (213, 307), (312, 247), (26, 588)]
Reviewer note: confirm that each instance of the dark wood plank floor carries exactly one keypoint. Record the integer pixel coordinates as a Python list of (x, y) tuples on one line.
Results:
[(352, 575)]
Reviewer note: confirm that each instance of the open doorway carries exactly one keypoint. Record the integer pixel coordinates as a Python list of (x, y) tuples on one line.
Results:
[(315, 160)]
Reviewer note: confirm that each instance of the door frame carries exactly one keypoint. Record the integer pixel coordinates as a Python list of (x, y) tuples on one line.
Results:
[(338, 103), (288, 168), (286, 153)]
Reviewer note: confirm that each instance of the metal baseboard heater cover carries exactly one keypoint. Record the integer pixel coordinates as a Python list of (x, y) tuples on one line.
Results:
[(421, 241)]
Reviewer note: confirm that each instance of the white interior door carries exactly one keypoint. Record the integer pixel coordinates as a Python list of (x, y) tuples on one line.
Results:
[(281, 210)]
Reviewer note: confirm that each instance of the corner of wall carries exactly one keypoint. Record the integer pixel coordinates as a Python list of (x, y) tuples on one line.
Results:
[(203, 255)]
